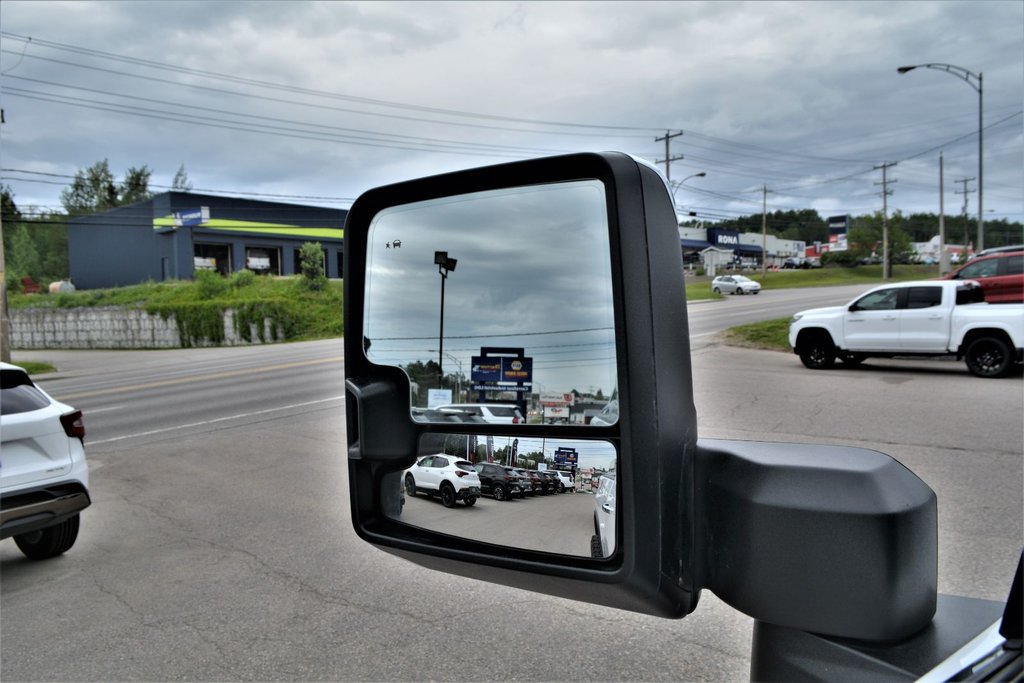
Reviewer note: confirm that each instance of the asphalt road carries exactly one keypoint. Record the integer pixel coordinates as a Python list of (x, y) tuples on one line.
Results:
[(220, 546)]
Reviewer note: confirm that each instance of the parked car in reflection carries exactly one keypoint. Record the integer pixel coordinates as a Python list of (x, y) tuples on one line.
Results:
[(496, 481), (602, 543), (565, 482), (735, 284), (44, 476), (536, 483), (609, 415), (448, 415), (554, 484), (525, 485), (492, 413), (445, 476)]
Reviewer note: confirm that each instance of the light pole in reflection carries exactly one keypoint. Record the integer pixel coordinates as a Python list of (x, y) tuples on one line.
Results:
[(976, 83), (445, 265)]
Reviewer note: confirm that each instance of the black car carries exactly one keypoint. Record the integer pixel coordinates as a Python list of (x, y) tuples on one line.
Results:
[(497, 481)]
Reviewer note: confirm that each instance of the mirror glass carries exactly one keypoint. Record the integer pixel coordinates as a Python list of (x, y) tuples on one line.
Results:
[(552, 495), (497, 305)]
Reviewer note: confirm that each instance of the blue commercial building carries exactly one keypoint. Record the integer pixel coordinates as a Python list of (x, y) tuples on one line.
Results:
[(173, 234)]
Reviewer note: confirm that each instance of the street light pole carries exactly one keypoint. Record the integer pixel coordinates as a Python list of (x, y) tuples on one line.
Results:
[(966, 76), (445, 265)]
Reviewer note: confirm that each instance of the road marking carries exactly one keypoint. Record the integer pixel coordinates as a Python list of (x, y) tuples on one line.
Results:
[(214, 421), (193, 378)]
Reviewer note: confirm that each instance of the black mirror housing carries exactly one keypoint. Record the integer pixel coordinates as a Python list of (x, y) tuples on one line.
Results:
[(839, 541), (651, 570)]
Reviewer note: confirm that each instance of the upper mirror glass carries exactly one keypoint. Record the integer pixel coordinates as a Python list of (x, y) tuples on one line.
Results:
[(498, 305)]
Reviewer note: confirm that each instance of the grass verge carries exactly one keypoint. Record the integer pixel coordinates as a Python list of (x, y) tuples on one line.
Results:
[(34, 367), (770, 335)]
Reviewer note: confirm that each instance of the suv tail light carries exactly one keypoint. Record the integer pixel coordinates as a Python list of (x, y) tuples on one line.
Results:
[(461, 473), (73, 424), (515, 420)]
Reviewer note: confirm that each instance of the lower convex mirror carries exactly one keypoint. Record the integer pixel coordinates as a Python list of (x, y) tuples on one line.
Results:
[(551, 495)]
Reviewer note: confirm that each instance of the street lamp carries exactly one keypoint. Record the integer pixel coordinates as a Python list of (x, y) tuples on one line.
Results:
[(966, 76), (680, 184), (444, 265)]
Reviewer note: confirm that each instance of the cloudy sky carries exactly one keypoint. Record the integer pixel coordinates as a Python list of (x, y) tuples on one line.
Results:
[(315, 102)]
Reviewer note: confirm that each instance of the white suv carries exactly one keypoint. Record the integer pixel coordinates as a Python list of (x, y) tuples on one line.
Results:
[(602, 543), (44, 478), (494, 413), (564, 480), (446, 476)]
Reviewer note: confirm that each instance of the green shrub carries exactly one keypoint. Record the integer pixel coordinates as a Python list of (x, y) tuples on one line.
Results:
[(845, 259), (241, 279), (311, 262), (210, 284)]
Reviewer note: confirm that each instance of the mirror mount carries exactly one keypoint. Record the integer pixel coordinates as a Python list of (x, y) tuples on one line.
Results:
[(834, 540)]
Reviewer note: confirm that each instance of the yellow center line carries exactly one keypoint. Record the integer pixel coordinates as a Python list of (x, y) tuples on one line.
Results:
[(194, 378)]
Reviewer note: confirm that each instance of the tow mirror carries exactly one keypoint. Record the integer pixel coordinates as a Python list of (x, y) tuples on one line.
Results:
[(549, 288)]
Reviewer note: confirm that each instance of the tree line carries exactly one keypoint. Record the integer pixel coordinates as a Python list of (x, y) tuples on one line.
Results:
[(806, 225)]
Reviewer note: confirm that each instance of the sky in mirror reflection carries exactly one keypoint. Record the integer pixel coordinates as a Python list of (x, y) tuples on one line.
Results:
[(533, 271)]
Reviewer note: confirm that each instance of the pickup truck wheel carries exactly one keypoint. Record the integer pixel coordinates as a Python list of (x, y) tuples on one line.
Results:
[(49, 542), (447, 495), (853, 359), (988, 357), (818, 353), (595, 547), (410, 486)]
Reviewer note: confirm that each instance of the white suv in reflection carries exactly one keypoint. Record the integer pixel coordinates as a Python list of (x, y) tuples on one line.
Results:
[(44, 478), (446, 476), (494, 413), (602, 543)]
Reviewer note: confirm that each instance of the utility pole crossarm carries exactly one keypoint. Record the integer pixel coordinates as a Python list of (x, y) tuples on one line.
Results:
[(668, 156)]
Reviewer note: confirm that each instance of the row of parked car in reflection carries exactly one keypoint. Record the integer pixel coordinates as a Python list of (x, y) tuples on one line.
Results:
[(454, 479)]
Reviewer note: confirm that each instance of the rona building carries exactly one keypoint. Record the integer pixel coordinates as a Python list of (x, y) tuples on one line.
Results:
[(172, 235)]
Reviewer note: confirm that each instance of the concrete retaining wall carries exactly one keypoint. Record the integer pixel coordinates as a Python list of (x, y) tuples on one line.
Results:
[(107, 327)]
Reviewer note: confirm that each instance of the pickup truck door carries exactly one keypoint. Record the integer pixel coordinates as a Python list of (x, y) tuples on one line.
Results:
[(872, 323), (924, 321)]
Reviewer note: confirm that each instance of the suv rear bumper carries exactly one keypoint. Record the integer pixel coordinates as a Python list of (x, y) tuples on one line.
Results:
[(33, 509)]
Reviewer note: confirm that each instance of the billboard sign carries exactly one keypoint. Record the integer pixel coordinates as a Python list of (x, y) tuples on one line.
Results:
[(566, 456), (501, 369)]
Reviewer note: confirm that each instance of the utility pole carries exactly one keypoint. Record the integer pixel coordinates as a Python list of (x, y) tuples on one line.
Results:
[(966, 191), (764, 230), (5, 321), (668, 156), (886, 266), (943, 256)]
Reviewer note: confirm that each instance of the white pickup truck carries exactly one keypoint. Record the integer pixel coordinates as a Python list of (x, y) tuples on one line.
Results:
[(920, 318)]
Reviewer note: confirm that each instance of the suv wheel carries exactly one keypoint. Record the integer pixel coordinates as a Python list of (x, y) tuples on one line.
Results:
[(410, 486), (447, 495), (49, 542), (818, 352), (499, 492), (595, 547), (470, 501)]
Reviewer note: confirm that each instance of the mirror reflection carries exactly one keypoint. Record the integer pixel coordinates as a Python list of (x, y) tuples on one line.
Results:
[(497, 305), (553, 495)]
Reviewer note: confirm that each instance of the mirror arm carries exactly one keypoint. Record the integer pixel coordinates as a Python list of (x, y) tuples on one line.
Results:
[(834, 540)]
